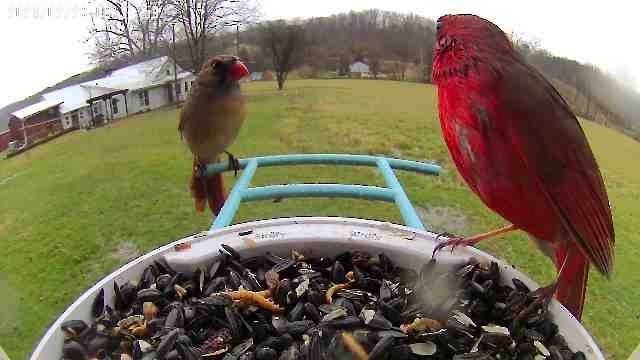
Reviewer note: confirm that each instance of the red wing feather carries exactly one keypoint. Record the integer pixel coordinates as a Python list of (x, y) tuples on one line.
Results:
[(548, 137)]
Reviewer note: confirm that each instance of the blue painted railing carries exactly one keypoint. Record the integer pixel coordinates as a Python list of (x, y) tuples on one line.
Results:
[(394, 192)]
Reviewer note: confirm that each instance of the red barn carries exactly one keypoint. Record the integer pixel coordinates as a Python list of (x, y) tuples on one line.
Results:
[(4, 140), (36, 121)]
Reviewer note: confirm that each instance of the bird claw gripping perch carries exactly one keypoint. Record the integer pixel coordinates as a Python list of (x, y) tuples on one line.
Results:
[(234, 164), (200, 170)]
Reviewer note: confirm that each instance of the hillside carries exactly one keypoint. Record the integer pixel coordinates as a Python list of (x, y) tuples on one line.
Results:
[(405, 41), (81, 205), (401, 45)]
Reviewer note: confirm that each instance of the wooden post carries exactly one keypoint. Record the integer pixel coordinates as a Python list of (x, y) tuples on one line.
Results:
[(93, 121), (126, 106), (175, 66), (105, 118)]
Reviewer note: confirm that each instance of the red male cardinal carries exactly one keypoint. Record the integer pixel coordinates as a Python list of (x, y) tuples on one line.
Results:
[(210, 121), (519, 147)]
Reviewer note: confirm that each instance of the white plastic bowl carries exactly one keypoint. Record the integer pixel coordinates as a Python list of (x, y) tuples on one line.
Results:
[(318, 236)]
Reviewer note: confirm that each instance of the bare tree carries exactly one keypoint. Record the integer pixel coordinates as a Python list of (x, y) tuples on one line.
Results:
[(285, 43), (375, 62), (317, 58), (203, 19), (344, 61), (130, 28)]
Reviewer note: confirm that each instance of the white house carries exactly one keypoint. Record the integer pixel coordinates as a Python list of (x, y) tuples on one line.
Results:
[(74, 107), (256, 76), (133, 89), (359, 68)]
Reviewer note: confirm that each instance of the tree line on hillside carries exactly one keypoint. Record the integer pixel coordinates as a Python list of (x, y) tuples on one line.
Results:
[(604, 98), (398, 45), (401, 46), (389, 42)]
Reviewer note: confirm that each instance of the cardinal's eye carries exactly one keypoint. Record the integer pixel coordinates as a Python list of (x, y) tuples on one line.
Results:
[(444, 42)]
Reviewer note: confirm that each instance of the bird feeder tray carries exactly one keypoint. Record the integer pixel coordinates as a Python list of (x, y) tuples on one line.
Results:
[(410, 245)]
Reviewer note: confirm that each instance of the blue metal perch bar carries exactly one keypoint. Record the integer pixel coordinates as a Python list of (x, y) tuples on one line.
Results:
[(394, 192)]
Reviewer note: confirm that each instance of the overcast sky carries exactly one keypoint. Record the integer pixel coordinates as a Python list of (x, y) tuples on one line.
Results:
[(41, 50)]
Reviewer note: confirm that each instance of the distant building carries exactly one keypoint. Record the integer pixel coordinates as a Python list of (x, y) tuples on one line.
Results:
[(359, 69), (5, 139), (256, 76), (133, 89), (35, 121), (136, 88)]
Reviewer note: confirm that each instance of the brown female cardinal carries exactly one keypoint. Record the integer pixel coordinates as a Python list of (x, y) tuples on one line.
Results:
[(210, 121), (519, 147)]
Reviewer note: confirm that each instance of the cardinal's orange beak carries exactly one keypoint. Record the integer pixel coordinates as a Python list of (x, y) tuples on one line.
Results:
[(238, 71)]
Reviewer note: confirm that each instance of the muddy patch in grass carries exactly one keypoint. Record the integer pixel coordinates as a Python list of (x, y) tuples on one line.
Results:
[(444, 219), (125, 251), (9, 178)]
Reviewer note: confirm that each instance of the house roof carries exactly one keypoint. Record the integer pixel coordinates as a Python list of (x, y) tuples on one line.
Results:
[(106, 93), (74, 97), (138, 76), (146, 74), (36, 108)]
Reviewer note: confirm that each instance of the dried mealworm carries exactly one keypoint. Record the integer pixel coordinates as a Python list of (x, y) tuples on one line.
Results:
[(333, 289), (259, 298), (354, 346)]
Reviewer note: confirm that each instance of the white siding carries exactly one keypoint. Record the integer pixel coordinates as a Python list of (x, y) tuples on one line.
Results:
[(84, 117), (185, 87), (66, 121), (120, 106), (133, 101), (359, 67), (158, 97)]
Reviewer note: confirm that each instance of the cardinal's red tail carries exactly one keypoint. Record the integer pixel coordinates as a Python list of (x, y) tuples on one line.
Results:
[(572, 281), (208, 189)]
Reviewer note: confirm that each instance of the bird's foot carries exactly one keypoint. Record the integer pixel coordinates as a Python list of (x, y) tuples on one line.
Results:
[(200, 170), (234, 164), (452, 241)]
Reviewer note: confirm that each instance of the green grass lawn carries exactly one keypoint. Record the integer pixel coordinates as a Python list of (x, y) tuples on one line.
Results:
[(75, 208)]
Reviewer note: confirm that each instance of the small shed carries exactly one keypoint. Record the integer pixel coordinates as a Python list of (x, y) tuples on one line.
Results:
[(35, 121)]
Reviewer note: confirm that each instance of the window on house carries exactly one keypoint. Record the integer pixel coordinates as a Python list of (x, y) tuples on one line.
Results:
[(186, 87), (178, 88), (114, 105), (144, 98), (168, 72)]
